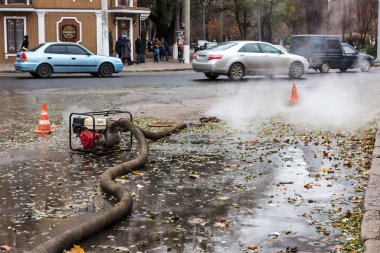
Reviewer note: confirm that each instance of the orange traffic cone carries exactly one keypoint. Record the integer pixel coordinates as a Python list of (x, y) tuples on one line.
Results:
[(294, 97), (44, 123)]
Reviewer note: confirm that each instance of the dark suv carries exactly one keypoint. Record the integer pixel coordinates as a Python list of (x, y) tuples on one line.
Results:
[(325, 52)]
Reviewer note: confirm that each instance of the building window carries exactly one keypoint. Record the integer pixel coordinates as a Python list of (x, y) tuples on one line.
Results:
[(15, 31)]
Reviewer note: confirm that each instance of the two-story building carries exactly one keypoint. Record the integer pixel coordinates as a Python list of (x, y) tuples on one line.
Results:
[(96, 24)]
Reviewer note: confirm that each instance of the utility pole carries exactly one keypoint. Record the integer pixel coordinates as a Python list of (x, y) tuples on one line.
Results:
[(259, 20), (104, 29), (378, 32), (186, 49)]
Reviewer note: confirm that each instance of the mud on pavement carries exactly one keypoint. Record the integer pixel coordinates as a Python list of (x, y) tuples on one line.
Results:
[(276, 187)]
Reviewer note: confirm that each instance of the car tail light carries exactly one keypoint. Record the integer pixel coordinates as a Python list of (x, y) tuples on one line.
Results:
[(215, 57), (23, 57)]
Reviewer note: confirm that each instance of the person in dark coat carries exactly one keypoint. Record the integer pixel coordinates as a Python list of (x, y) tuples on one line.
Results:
[(167, 48), (119, 48), (25, 43), (149, 46), (138, 49), (127, 50)]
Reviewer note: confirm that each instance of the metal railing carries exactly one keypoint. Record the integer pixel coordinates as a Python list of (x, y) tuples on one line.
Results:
[(16, 2), (122, 3)]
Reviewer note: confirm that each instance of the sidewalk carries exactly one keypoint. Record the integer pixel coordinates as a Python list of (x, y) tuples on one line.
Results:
[(370, 229), (171, 65)]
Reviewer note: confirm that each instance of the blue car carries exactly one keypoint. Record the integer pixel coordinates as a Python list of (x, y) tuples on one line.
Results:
[(65, 57)]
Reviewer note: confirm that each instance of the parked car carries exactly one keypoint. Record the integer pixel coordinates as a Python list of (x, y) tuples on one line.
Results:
[(200, 45), (65, 57), (239, 58), (325, 52), (209, 45)]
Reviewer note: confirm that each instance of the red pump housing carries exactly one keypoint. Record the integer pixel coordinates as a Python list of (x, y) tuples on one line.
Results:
[(88, 139)]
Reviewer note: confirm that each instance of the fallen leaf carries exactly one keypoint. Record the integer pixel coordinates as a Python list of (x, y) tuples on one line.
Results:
[(325, 170), (308, 186), (280, 183), (194, 176), (274, 235), (222, 223), (137, 173), (253, 247), (75, 249)]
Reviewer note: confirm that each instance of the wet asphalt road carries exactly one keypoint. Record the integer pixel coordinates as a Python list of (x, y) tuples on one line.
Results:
[(209, 189)]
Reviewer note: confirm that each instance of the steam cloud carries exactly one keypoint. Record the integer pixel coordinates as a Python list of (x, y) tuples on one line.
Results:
[(329, 103)]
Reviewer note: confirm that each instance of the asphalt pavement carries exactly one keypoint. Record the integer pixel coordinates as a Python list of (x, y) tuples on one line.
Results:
[(370, 229)]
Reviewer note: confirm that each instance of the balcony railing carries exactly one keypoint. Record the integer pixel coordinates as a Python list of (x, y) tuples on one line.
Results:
[(16, 2), (122, 3)]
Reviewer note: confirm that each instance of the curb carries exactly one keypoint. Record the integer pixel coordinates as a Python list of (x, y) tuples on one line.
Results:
[(370, 227)]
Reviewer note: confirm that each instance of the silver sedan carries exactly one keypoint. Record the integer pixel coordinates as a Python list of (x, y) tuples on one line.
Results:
[(239, 58)]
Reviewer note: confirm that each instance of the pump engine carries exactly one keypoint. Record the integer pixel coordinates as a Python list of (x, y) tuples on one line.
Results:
[(97, 131)]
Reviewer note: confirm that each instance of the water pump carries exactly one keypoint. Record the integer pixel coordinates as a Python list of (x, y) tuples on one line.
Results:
[(99, 132)]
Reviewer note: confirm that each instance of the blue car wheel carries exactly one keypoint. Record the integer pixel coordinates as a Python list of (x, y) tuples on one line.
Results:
[(44, 70), (106, 69)]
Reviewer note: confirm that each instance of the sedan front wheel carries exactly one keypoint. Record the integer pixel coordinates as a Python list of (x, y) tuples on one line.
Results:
[(236, 72), (296, 70), (365, 66), (106, 70)]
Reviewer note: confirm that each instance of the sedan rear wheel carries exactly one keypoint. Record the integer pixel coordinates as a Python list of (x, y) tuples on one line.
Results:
[(365, 66), (236, 72), (44, 70), (211, 76), (296, 70), (325, 67), (106, 70)]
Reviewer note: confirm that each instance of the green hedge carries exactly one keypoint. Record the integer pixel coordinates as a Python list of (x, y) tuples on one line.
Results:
[(371, 50)]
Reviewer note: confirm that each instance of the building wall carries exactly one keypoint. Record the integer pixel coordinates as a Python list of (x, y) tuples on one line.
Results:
[(67, 4), (31, 31), (88, 29), (87, 18)]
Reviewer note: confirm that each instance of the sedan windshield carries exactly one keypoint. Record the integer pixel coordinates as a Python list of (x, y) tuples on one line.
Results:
[(223, 46)]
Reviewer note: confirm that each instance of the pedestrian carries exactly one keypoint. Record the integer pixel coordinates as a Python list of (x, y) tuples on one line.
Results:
[(138, 49), (119, 48), (25, 43), (149, 46), (156, 45), (156, 54), (162, 52), (167, 48), (127, 50)]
